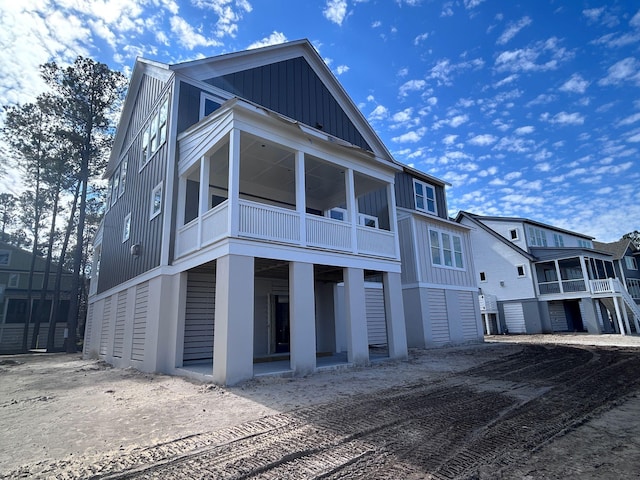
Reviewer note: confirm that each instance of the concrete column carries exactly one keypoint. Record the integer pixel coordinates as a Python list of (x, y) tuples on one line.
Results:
[(233, 331), (589, 315), (302, 321), (356, 316), (394, 315)]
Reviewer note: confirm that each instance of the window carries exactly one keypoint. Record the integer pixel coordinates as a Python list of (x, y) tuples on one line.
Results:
[(209, 104), (107, 200), (537, 237), (14, 280), (126, 230), (5, 257), (446, 249), (425, 197), (337, 214), (123, 174), (521, 271), (156, 201), (514, 234), (631, 263), (367, 220), (483, 277), (584, 243), (116, 187), (558, 241), (155, 134)]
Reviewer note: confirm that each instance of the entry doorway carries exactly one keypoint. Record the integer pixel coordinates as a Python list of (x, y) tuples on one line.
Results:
[(280, 331)]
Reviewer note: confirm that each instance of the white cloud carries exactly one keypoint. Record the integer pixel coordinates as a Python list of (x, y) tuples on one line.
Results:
[(274, 39), (576, 84), (376, 24), (542, 56), (188, 36), (483, 140), (593, 13), (511, 78), (403, 116), (335, 11), (444, 70), (524, 130), (379, 113), (340, 69), (410, 137), (513, 29), (228, 16), (564, 118), (449, 139), (458, 120), (411, 86), (627, 69), (420, 38), (468, 4)]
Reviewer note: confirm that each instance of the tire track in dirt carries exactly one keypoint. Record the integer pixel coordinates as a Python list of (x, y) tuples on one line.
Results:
[(447, 430)]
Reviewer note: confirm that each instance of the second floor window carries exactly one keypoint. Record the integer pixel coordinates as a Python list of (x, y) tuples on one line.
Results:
[(537, 237), (425, 196), (631, 263), (446, 249), (126, 229), (558, 241), (155, 134)]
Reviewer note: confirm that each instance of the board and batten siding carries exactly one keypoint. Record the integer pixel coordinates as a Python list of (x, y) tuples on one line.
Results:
[(199, 317), (135, 200), (147, 95), (376, 318), (558, 317), (438, 275), (405, 195), (409, 272), (514, 318), (88, 329), (140, 321), (121, 318), (292, 88), (468, 318)]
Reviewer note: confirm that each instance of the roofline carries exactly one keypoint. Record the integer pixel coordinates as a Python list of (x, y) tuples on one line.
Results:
[(527, 220), (423, 175)]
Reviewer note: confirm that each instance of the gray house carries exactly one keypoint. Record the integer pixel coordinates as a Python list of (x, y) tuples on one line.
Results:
[(248, 196)]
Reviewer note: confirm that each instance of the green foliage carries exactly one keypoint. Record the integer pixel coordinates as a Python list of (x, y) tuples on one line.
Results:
[(634, 237)]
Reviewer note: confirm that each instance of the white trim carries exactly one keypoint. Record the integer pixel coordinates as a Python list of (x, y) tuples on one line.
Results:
[(363, 218), (524, 270), (439, 286), (426, 187), (441, 250), (204, 96), (514, 234)]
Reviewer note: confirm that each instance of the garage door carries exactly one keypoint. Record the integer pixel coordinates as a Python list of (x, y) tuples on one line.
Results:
[(514, 318)]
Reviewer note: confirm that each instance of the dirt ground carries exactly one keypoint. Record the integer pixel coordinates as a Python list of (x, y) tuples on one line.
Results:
[(526, 407)]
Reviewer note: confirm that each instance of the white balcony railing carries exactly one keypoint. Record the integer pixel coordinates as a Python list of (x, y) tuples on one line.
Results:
[(271, 223)]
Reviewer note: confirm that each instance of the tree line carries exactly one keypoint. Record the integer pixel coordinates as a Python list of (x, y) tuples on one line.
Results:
[(59, 145)]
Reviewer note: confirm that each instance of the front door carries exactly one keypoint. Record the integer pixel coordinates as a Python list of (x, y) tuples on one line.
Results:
[(281, 324)]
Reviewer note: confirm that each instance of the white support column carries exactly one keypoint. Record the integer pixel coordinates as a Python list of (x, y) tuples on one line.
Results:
[(233, 330), (302, 321), (352, 208), (301, 200), (585, 274), (393, 217), (618, 316), (394, 315), (487, 323), (356, 316), (182, 199), (203, 195), (559, 275), (624, 314), (234, 182)]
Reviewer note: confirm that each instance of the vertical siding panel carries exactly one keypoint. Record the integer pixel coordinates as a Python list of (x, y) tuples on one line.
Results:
[(140, 321), (106, 323), (439, 318)]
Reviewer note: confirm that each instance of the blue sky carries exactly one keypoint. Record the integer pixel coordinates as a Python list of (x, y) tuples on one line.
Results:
[(528, 109)]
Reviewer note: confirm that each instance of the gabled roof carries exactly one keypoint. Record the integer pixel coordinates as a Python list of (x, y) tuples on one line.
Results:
[(475, 219), (617, 249), (420, 175), (480, 218)]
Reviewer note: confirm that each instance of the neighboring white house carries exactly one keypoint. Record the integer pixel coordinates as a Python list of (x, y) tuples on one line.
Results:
[(538, 278)]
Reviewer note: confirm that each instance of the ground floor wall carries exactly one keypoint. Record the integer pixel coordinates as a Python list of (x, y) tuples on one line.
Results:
[(441, 316)]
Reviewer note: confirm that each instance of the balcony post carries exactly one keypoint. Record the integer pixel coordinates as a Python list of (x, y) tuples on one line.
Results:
[(203, 204), (585, 274), (393, 218), (559, 275), (234, 182), (301, 200), (182, 198), (352, 208)]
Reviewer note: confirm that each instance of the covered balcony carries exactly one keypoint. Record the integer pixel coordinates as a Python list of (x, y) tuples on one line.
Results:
[(268, 186), (570, 276)]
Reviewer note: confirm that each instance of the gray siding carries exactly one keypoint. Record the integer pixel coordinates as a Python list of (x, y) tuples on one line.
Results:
[(140, 321), (120, 265), (405, 196), (292, 88), (189, 109), (375, 204), (149, 91)]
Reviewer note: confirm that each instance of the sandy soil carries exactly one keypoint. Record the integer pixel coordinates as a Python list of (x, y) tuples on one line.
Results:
[(65, 417)]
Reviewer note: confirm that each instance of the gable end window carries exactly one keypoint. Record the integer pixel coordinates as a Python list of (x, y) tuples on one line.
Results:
[(425, 197), (584, 243), (513, 233), (126, 229), (558, 241), (537, 237), (123, 175), (446, 249), (156, 201), (522, 272), (483, 277), (631, 263), (155, 134)]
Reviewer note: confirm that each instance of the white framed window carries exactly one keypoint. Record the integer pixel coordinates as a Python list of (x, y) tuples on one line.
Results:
[(337, 214), (209, 104), (126, 228), (155, 134), (631, 263), (537, 237), (107, 200), (558, 241), (425, 197), (446, 249), (483, 277), (156, 201), (5, 257), (14, 280), (116, 186), (513, 233), (522, 271), (123, 174), (367, 220), (584, 243)]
